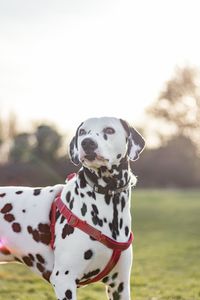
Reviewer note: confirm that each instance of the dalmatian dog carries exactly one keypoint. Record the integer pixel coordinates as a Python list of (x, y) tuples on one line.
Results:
[(99, 195)]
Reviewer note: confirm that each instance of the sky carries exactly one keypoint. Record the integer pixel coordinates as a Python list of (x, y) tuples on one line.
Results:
[(67, 60)]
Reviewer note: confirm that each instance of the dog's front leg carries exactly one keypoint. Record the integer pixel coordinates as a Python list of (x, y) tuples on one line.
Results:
[(64, 285), (119, 290), (118, 281)]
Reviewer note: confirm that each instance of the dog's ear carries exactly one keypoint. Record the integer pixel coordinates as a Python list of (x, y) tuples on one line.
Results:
[(136, 142), (73, 151), (73, 148)]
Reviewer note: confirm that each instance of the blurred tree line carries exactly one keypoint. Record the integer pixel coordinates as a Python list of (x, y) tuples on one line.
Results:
[(33, 158), (175, 116), (38, 158)]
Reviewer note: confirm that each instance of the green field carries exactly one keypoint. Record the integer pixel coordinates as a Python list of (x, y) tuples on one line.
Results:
[(166, 253)]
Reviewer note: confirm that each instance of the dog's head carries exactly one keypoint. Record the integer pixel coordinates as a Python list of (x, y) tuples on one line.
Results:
[(104, 142)]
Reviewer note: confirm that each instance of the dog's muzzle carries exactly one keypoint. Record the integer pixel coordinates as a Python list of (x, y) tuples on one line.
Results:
[(89, 146)]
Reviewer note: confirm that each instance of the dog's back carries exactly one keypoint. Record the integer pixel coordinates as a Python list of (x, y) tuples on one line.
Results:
[(25, 225)]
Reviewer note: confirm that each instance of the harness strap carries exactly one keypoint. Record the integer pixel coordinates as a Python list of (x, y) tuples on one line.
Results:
[(74, 221), (110, 265)]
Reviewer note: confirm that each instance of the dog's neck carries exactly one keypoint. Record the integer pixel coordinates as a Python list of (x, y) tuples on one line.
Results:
[(111, 179)]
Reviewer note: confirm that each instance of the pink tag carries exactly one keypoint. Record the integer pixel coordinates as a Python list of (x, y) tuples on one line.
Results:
[(70, 176)]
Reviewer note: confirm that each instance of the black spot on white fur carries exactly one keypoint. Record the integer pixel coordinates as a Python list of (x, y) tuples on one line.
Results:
[(68, 196), (84, 209), (67, 230), (88, 254), (7, 208), (18, 192), (68, 294), (36, 192)]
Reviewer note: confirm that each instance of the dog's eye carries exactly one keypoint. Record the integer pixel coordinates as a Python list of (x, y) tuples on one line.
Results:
[(82, 132), (109, 130)]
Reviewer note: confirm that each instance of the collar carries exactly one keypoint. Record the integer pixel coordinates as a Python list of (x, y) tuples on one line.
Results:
[(103, 190)]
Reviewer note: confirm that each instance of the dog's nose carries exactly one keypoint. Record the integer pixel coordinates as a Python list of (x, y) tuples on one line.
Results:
[(89, 145)]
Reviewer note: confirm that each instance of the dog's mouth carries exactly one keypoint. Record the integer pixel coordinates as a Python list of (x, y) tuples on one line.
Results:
[(94, 157), (91, 156)]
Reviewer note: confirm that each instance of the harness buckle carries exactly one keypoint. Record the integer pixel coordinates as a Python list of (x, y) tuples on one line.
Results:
[(111, 192), (95, 189), (97, 235), (73, 221)]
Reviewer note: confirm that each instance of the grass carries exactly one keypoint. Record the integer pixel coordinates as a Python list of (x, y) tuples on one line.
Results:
[(167, 245), (166, 253)]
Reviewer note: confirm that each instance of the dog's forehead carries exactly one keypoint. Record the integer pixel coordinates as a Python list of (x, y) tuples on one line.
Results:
[(99, 124)]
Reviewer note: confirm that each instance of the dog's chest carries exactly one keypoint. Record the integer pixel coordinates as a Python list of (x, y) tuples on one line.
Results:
[(108, 213)]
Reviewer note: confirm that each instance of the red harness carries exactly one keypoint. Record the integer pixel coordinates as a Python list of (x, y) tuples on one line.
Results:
[(74, 221)]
